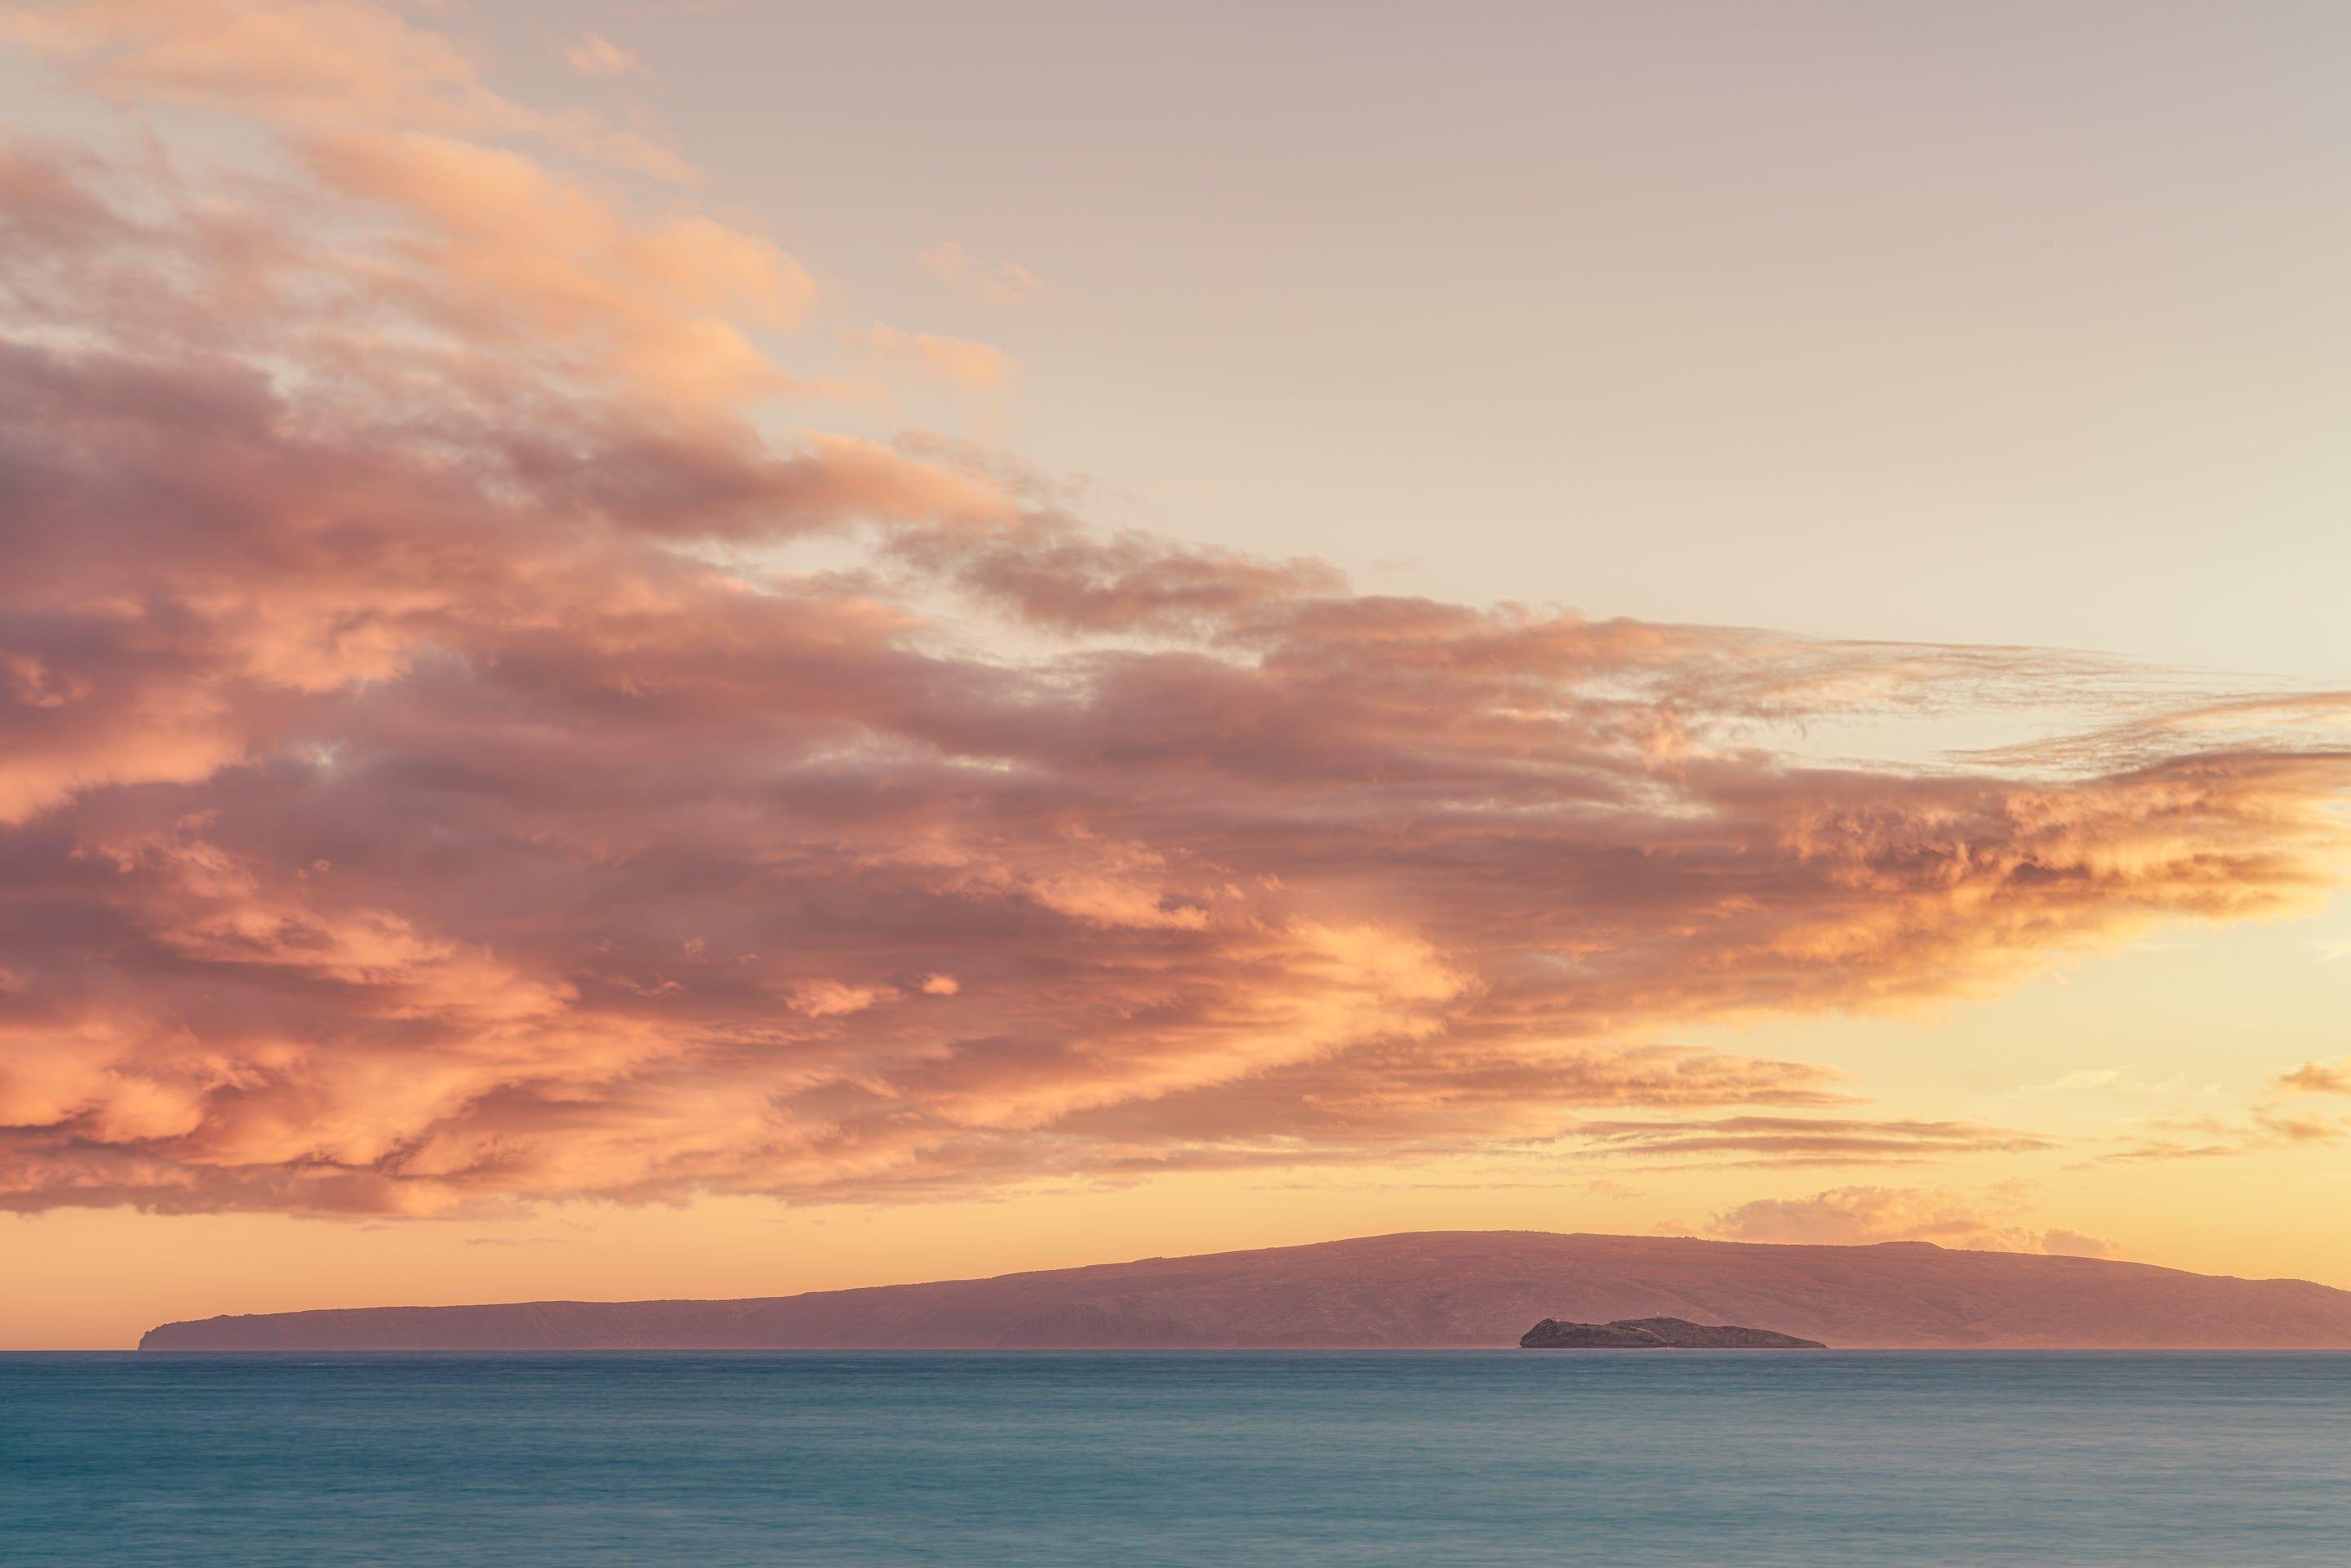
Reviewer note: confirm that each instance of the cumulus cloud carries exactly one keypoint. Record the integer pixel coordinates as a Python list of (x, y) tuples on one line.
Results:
[(428, 780), (1860, 1216)]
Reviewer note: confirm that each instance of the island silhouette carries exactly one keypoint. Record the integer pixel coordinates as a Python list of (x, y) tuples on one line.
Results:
[(1424, 1290), (1657, 1333)]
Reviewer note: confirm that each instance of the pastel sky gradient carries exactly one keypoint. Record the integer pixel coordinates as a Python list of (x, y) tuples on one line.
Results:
[(707, 649)]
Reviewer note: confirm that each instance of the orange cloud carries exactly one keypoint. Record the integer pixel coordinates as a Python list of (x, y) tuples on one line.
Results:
[(285, 59), (1804, 1140), (959, 361), (497, 247), (1859, 1216), (307, 66), (2317, 1078), (426, 783)]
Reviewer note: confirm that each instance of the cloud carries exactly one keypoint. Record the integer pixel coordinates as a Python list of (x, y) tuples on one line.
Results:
[(434, 775), (1804, 1140), (830, 998), (308, 66), (2216, 1137), (597, 56), (307, 60), (997, 283), (2125, 1079), (1861, 1216), (2064, 1243), (2317, 1078), (493, 245), (959, 361), (2270, 1124)]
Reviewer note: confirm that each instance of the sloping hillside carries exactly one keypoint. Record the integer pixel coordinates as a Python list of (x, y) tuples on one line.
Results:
[(1428, 1288)]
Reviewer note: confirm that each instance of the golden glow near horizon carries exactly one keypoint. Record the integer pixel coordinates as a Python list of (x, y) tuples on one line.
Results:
[(684, 662)]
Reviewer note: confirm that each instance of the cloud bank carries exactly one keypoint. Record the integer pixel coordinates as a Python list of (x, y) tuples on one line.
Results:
[(1863, 1215), (427, 782)]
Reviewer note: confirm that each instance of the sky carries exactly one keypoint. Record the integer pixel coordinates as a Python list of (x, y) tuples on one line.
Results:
[(713, 650)]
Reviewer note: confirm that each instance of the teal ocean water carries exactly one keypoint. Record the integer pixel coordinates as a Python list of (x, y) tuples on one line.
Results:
[(1038, 1459)]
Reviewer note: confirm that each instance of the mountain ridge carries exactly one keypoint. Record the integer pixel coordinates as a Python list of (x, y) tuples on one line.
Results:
[(1410, 1290)]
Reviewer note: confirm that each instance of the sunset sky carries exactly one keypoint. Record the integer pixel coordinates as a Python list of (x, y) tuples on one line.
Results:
[(698, 649)]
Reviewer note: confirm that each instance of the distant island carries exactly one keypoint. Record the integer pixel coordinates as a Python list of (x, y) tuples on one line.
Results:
[(1657, 1333), (1423, 1290)]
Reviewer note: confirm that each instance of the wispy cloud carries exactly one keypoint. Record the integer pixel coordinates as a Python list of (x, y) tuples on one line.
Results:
[(2218, 1138), (1804, 1140), (2317, 1078), (959, 361), (996, 282), (2123, 1080), (1860, 1216), (597, 56), (308, 68)]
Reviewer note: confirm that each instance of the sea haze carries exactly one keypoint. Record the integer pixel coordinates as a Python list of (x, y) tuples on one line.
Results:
[(1038, 1459)]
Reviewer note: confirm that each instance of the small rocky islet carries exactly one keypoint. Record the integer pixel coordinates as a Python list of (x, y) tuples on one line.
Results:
[(1657, 1333)]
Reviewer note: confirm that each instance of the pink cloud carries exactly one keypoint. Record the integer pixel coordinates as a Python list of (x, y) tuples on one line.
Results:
[(428, 782)]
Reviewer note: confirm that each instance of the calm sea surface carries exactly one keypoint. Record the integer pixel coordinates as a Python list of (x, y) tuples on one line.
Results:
[(1685, 1457)]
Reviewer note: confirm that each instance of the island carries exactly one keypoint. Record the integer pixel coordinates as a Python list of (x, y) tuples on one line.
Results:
[(1657, 1333), (1417, 1291)]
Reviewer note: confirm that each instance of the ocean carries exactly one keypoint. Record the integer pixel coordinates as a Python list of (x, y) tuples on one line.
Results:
[(1123, 1459)]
